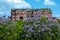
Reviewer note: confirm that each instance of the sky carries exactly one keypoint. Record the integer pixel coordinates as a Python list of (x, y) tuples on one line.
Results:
[(7, 5)]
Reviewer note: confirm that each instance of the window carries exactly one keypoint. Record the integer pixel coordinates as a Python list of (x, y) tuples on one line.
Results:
[(21, 17), (36, 13), (14, 14), (50, 13)]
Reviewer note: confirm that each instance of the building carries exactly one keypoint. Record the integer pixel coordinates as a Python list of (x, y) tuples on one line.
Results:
[(25, 14)]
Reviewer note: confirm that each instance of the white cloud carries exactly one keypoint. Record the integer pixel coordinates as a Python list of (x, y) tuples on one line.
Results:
[(19, 3), (49, 2), (7, 5)]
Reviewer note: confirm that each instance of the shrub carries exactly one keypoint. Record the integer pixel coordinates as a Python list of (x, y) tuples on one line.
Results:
[(30, 30)]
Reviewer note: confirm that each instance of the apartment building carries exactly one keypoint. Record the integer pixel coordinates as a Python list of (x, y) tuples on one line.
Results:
[(25, 14)]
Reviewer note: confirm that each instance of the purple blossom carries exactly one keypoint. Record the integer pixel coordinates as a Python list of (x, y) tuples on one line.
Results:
[(43, 25), (38, 30), (30, 29)]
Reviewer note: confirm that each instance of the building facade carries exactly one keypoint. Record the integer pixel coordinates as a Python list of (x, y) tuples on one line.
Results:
[(25, 14)]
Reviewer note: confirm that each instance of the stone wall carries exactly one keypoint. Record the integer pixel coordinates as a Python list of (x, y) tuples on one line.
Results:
[(25, 14)]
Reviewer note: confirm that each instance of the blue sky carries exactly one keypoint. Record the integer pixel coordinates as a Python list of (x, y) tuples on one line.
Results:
[(7, 5)]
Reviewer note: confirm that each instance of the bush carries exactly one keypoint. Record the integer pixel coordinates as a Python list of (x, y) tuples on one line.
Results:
[(30, 30)]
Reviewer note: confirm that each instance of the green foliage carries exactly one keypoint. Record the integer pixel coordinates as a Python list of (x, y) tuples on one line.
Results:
[(19, 24), (44, 9), (43, 19), (58, 20), (10, 30), (17, 31)]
